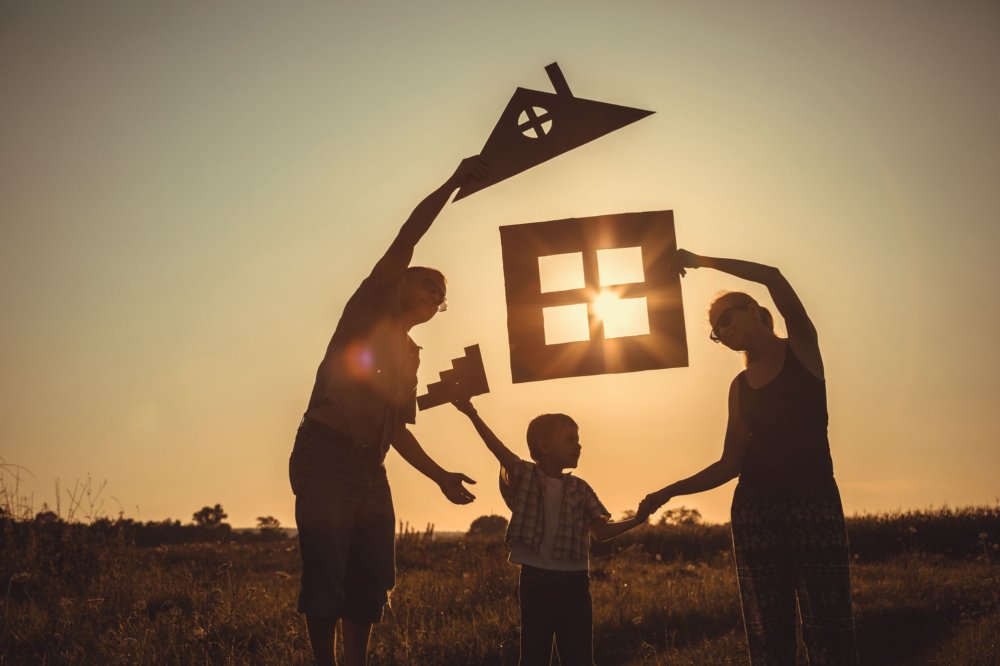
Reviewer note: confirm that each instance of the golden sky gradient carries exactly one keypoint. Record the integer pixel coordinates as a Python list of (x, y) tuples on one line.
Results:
[(189, 193)]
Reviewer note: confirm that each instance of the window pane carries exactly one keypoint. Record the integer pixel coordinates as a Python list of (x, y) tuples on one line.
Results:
[(625, 317), (621, 265), (566, 323), (561, 272)]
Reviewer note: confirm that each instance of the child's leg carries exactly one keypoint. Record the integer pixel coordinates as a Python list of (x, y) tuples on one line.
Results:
[(575, 623), (538, 606)]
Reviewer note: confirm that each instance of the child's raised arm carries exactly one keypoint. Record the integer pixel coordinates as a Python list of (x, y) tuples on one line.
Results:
[(508, 459)]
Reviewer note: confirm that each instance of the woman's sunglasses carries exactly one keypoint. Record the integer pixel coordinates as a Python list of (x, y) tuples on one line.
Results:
[(725, 319)]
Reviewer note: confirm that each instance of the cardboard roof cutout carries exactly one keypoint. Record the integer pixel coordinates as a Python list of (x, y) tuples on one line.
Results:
[(537, 126), (654, 287), (466, 378)]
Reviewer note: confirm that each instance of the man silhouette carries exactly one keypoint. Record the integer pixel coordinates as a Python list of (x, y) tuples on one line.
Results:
[(361, 403)]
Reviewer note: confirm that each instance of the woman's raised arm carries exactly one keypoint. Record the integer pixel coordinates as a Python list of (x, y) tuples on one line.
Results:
[(802, 334)]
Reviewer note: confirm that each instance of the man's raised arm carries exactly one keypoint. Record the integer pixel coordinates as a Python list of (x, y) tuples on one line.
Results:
[(399, 254)]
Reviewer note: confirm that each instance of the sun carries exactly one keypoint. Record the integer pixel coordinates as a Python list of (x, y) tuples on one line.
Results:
[(622, 317), (604, 304)]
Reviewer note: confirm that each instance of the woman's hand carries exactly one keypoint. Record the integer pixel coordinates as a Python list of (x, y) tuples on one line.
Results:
[(683, 260)]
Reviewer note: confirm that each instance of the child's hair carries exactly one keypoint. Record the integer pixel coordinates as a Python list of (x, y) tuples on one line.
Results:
[(542, 427)]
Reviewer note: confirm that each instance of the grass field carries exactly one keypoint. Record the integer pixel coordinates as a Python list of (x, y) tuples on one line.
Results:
[(927, 590)]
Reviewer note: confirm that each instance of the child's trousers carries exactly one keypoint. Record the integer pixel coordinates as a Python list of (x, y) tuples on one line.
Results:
[(556, 603)]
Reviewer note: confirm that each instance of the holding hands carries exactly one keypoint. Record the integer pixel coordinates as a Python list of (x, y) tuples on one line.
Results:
[(644, 511), (652, 502)]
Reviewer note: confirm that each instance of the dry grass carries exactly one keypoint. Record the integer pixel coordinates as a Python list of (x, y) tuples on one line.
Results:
[(72, 594)]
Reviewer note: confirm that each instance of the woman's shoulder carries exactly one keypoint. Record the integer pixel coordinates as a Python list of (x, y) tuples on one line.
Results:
[(812, 367), (738, 383)]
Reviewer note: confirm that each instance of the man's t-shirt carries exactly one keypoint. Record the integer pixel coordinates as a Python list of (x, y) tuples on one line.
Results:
[(367, 381)]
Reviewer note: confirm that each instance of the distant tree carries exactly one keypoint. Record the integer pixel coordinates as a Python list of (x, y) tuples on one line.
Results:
[(46, 516), (488, 526), (210, 516), (269, 527), (681, 516)]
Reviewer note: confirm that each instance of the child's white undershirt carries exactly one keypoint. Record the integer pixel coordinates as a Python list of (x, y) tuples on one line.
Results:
[(522, 553)]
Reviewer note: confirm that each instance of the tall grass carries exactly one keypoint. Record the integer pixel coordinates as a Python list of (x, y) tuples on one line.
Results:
[(72, 593)]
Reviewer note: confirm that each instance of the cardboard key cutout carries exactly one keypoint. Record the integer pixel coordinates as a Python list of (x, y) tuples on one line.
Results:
[(466, 378), (617, 286), (537, 126)]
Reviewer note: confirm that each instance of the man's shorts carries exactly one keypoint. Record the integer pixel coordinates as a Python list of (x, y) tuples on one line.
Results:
[(346, 524)]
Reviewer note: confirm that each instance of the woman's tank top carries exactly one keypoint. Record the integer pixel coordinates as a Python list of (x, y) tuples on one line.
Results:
[(789, 451)]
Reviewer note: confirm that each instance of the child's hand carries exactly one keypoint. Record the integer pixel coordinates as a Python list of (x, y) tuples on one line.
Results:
[(464, 405)]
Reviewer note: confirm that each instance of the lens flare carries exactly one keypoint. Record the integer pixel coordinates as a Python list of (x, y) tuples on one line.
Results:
[(622, 317)]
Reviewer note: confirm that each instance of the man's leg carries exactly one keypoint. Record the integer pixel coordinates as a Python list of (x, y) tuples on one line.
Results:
[(356, 636), (321, 633), (370, 573), (326, 499)]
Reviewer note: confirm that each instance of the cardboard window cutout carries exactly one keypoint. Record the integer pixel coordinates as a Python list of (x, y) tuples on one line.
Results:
[(629, 325), (537, 126), (466, 378)]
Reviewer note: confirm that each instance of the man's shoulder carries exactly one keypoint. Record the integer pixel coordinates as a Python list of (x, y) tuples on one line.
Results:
[(370, 289), (363, 308)]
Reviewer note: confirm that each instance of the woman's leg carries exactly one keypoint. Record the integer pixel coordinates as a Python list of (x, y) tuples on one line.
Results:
[(767, 586), (824, 582)]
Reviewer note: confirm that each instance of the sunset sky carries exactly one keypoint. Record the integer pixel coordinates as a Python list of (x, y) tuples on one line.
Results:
[(189, 193)]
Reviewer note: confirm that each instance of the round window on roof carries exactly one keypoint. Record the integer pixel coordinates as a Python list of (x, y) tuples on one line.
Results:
[(534, 122)]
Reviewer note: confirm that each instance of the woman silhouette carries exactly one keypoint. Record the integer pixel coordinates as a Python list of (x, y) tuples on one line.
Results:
[(788, 526)]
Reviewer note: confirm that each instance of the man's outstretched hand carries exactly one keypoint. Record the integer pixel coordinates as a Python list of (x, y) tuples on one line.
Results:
[(470, 169), (451, 485)]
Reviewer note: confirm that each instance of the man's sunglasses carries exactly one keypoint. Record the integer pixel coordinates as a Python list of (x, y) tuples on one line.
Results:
[(433, 287)]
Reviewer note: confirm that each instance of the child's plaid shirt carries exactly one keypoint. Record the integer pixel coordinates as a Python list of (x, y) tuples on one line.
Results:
[(521, 488)]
